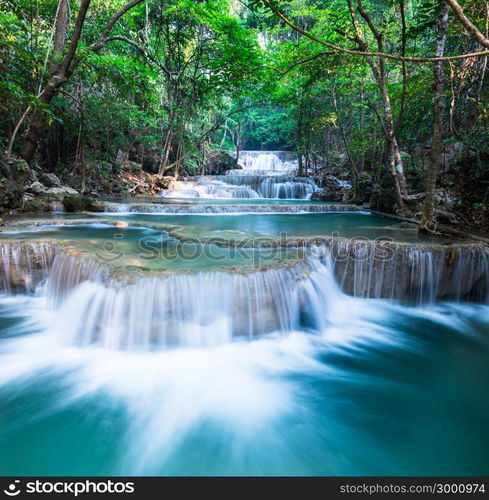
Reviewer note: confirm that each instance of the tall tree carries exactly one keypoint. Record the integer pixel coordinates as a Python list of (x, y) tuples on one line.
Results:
[(62, 68), (439, 106)]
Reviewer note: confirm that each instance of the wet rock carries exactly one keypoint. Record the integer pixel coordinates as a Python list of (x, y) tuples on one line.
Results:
[(334, 189)]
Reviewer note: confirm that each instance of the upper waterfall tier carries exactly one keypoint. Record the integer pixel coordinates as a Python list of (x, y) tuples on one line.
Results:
[(268, 162), (262, 174)]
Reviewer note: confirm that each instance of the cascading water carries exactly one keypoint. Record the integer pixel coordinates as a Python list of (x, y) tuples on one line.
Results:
[(212, 308), (158, 376), (275, 371), (192, 310), (183, 209), (263, 174), (268, 162), (23, 265)]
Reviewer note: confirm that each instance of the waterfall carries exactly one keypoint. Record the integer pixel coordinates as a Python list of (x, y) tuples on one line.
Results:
[(268, 162), (195, 310), (281, 187), (211, 308), (215, 307), (23, 264), (208, 187), (263, 174), (181, 208), (418, 274), (68, 272)]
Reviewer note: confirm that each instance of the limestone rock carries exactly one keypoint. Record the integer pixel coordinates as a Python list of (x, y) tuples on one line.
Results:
[(333, 189), (61, 192), (37, 188), (445, 199), (50, 180)]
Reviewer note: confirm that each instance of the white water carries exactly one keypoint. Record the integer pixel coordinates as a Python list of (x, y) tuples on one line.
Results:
[(268, 162), (213, 308), (111, 208), (264, 174), (272, 406), (188, 310), (159, 377)]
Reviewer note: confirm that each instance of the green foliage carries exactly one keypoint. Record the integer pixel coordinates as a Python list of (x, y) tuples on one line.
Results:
[(199, 76)]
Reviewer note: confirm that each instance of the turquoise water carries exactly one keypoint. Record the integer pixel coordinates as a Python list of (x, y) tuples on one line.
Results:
[(288, 225), (383, 390), (347, 225), (367, 387), (149, 249)]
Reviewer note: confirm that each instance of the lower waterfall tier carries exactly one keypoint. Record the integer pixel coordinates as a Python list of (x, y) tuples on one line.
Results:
[(215, 307)]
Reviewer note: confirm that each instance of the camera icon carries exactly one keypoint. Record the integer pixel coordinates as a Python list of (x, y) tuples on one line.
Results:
[(109, 252), (13, 489)]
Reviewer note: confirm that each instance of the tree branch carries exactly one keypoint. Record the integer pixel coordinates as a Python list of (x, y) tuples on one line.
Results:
[(467, 23), (110, 24), (204, 136), (302, 61), (140, 49), (370, 54)]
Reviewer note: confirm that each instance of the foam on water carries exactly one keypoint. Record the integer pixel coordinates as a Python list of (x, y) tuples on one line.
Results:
[(279, 405)]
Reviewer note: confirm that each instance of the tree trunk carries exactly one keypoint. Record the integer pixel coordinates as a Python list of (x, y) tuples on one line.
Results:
[(59, 74), (299, 141), (61, 71), (59, 35), (379, 74), (238, 140), (429, 204), (38, 123)]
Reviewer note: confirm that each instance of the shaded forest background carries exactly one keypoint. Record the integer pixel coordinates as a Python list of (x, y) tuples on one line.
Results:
[(107, 93)]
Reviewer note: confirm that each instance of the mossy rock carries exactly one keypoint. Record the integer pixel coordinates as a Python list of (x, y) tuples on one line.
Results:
[(78, 204), (13, 174), (34, 205)]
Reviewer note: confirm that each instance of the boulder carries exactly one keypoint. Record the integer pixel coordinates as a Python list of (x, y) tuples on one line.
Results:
[(325, 195), (217, 163), (78, 204), (36, 204), (445, 199), (333, 189), (36, 188), (50, 180), (61, 192)]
